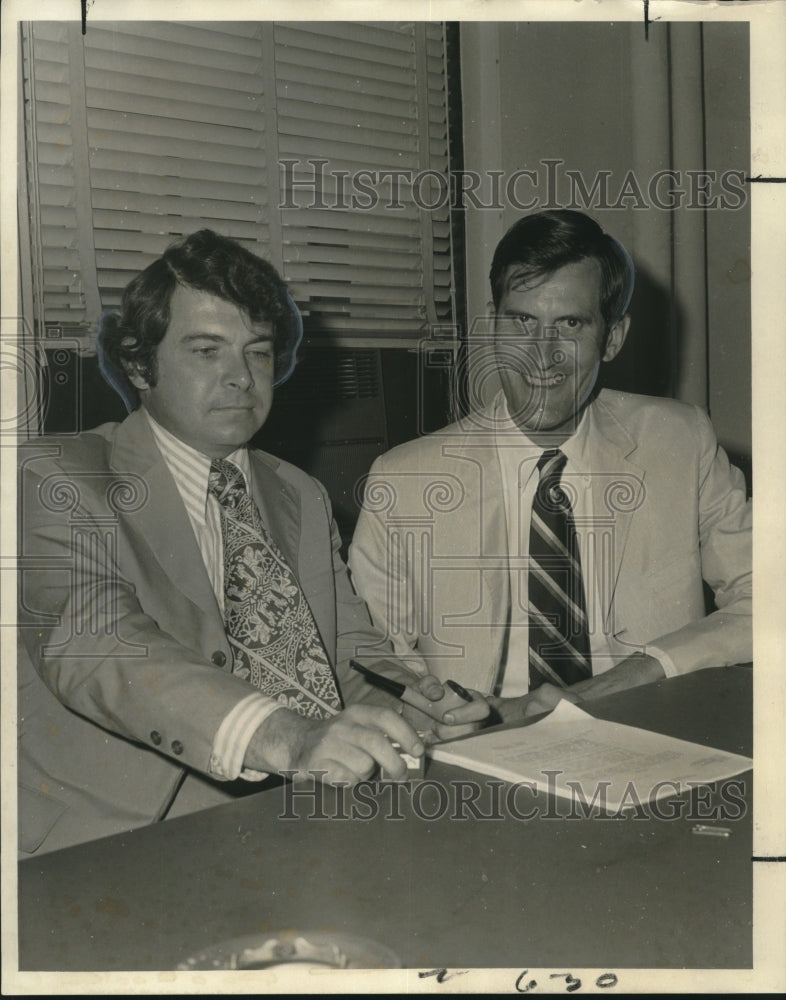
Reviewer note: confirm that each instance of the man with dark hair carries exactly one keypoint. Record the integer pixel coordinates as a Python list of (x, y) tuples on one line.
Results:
[(538, 245), (185, 610), (553, 543), (210, 263)]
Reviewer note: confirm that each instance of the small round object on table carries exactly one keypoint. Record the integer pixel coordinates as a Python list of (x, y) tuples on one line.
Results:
[(304, 949)]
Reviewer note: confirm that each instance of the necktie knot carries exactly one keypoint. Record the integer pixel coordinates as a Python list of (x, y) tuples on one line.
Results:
[(551, 463), (225, 482), (550, 493)]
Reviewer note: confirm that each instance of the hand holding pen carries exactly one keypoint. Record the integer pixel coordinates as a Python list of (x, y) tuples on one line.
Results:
[(456, 710)]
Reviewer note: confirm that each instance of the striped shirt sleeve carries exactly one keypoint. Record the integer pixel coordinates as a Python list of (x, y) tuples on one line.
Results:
[(234, 735)]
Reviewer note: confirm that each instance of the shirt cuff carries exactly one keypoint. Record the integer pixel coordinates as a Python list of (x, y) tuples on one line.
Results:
[(669, 667), (234, 735)]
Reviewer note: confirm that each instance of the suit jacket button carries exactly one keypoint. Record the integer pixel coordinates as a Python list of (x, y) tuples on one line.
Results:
[(177, 747), (155, 738), (219, 658)]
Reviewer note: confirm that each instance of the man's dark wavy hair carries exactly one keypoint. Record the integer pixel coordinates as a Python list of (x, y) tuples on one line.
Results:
[(128, 340), (546, 241)]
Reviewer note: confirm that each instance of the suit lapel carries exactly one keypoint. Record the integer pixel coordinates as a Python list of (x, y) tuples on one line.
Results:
[(496, 579), (162, 520), (483, 526), (279, 505), (617, 489)]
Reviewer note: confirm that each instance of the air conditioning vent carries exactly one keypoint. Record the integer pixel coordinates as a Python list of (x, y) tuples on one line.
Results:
[(330, 375)]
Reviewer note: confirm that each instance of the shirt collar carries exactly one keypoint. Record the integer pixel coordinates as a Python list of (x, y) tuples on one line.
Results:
[(575, 448), (190, 468)]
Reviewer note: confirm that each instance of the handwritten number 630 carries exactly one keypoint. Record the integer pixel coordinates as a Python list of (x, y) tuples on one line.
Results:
[(604, 982)]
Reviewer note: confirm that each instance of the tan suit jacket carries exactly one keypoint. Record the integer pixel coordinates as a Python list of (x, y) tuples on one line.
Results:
[(430, 551), (124, 667)]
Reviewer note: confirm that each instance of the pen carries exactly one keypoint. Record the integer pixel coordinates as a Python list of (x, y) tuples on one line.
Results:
[(460, 691), (435, 709)]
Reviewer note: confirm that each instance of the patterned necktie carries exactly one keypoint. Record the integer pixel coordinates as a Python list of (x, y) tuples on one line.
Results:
[(558, 640), (271, 630)]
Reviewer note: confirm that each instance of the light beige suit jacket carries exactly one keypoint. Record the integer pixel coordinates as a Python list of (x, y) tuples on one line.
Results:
[(430, 551), (124, 666)]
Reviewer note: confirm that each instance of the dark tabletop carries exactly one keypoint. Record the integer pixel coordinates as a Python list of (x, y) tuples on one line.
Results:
[(471, 886)]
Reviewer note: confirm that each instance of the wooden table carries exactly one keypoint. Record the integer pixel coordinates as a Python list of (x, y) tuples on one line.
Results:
[(454, 890)]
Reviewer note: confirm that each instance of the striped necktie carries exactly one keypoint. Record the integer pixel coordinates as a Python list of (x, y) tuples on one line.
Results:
[(558, 639), (270, 627)]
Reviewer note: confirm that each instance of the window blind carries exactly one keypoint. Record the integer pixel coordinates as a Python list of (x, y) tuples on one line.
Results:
[(374, 97), (138, 133)]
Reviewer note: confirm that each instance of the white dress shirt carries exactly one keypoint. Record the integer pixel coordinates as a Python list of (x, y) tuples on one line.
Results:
[(190, 470)]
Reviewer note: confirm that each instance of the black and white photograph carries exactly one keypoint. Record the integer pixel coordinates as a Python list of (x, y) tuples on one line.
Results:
[(385, 604)]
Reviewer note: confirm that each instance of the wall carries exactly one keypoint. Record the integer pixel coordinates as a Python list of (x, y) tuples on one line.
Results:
[(599, 97)]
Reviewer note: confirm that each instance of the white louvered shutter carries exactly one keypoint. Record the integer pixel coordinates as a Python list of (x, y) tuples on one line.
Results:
[(138, 133), (364, 98)]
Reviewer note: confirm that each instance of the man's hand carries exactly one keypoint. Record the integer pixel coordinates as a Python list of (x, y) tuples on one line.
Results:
[(542, 699), (631, 672), (457, 721), (348, 747)]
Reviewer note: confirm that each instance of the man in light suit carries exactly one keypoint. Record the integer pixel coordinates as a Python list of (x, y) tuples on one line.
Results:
[(442, 549), (126, 679)]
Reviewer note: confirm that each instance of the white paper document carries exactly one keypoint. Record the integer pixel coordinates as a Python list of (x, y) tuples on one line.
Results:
[(570, 752)]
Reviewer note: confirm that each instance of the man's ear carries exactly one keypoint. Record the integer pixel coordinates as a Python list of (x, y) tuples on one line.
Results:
[(136, 378), (133, 370), (491, 317), (616, 338)]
